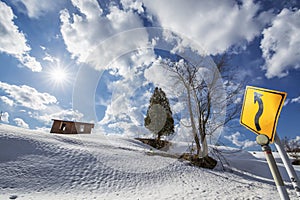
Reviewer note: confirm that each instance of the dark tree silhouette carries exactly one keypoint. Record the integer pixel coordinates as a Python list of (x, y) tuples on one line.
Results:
[(159, 118)]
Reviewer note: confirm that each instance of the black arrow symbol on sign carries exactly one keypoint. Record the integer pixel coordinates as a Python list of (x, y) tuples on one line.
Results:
[(257, 98)]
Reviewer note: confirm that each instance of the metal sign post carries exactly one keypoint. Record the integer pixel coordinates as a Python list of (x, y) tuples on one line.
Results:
[(288, 166), (263, 140), (260, 113)]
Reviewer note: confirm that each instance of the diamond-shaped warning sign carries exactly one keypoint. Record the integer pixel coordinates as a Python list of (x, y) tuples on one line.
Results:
[(261, 109)]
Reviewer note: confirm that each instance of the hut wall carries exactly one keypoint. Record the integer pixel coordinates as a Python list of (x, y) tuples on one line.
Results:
[(70, 127)]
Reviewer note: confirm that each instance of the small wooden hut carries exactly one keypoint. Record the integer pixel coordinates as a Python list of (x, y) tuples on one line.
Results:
[(70, 127)]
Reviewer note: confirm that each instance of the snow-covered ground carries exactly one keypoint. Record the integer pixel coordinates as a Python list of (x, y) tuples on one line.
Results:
[(38, 165)]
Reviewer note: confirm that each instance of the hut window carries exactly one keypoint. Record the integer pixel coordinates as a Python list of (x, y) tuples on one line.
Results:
[(81, 128), (63, 126)]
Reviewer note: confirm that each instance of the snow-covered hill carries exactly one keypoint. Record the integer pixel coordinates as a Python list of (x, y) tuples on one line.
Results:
[(38, 165)]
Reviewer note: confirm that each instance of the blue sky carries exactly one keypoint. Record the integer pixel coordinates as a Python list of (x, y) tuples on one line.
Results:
[(93, 60)]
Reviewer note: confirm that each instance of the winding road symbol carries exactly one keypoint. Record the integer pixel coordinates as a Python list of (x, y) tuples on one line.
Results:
[(257, 98), (261, 109)]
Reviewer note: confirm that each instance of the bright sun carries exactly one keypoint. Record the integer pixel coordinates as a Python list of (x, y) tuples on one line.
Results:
[(58, 76)]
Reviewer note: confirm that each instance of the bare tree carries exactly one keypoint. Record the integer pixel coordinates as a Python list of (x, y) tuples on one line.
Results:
[(209, 96)]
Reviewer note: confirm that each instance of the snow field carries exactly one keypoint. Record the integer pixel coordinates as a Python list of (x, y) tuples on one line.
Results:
[(36, 165)]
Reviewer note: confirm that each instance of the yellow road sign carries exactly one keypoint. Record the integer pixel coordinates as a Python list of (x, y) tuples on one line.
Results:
[(261, 109)]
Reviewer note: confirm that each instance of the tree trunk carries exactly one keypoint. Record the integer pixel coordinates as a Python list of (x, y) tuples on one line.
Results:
[(158, 137), (196, 138), (204, 146), (194, 129), (202, 132)]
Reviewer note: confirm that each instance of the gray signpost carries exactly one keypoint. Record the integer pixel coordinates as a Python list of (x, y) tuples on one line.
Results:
[(260, 112), (263, 140), (288, 166)]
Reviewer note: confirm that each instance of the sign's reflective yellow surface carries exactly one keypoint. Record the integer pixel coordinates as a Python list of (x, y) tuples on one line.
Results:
[(261, 109)]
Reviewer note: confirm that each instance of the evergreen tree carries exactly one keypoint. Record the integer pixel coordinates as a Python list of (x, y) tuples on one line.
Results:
[(159, 118)]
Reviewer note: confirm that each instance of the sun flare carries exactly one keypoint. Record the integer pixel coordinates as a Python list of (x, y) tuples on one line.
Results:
[(58, 76)]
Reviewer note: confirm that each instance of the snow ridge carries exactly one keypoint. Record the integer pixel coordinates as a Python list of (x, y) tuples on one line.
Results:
[(37, 165)]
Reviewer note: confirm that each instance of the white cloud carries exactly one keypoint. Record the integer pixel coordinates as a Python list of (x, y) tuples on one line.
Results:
[(296, 100), (286, 102), (20, 122), (89, 8), (55, 112), (37, 8), (50, 58), (235, 139), (13, 42), (120, 52), (200, 21), (133, 4), (163, 78), (82, 43), (7, 100), (4, 117), (281, 44), (27, 96), (128, 102), (124, 110), (30, 62), (102, 100)]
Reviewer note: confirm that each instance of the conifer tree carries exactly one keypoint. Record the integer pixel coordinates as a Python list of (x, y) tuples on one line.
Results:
[(159, 119)]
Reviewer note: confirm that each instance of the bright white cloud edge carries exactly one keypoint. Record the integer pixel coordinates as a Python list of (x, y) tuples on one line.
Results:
[(281, 44), (13, 41)]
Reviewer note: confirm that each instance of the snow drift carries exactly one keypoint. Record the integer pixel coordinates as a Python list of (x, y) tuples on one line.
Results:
[(38, 165)]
